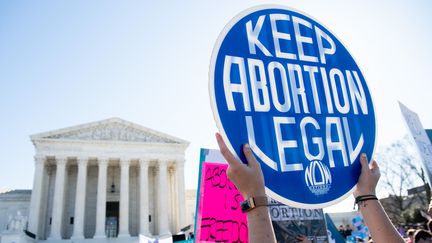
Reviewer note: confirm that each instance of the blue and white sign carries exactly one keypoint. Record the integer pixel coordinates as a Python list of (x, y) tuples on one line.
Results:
[(282, 82)]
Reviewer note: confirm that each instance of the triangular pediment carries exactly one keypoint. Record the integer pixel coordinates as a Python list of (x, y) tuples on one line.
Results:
[(114, 129)]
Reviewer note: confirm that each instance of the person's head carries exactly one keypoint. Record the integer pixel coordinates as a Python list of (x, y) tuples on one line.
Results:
[(348, 226), (422, 236), (341, 227)]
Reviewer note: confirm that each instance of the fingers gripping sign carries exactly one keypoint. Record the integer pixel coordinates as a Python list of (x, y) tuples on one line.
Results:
[(247, 177), (369, 177), (284, 84)]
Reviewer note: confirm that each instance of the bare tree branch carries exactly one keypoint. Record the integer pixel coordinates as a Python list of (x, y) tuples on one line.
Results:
[(401, 170)]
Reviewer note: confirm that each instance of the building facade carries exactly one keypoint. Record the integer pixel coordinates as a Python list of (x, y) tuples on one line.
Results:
[(107, 179), (191, 197), (14, 206)]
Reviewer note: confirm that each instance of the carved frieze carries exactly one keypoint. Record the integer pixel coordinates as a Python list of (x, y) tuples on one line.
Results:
[(112, 132)]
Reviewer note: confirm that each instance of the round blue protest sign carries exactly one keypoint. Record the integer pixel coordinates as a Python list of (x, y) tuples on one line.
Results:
[(283, 83)]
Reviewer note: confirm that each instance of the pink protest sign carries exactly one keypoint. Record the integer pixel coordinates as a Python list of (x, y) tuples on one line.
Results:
[(219, 217)]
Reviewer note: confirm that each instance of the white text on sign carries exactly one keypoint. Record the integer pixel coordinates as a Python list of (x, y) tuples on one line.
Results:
[(280, 85)]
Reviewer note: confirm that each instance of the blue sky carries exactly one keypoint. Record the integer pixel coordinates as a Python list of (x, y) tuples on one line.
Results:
[(65, 63)]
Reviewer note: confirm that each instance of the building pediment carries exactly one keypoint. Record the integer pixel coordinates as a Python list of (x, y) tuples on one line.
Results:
[(113, 129)]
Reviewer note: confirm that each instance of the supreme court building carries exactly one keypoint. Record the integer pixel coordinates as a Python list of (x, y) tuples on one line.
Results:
[(107, 179)]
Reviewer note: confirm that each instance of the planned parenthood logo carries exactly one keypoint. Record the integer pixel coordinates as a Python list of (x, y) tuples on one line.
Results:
[(283, 83)]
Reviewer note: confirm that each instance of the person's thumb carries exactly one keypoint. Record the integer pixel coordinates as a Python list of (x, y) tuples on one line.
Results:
[(252, 162), (364, 162), (375, 167)]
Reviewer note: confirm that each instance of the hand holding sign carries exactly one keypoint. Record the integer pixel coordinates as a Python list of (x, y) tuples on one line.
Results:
[(368, 178), (284, 84), (380, 226), (248, 178), (219, 217), (303, 239)]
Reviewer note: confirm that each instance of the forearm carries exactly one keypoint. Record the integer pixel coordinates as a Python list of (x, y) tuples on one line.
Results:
[(250, 182), (381, 229), (260, 226)]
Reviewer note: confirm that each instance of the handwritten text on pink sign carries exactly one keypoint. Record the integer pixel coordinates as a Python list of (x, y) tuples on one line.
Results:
[(219, 215)]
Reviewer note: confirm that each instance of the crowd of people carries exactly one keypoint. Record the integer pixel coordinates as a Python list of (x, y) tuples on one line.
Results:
[(417, 234), (345, 231), (420, 233)]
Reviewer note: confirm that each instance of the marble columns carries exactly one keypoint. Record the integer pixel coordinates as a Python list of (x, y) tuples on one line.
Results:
[(78, 231), (101, 198), (124, 198), (181, 193), (144, 197), (59, 189), (163, 199), (36, 196)]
